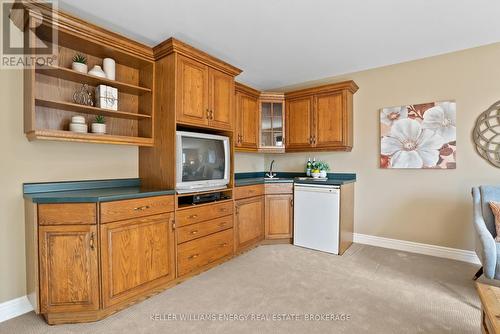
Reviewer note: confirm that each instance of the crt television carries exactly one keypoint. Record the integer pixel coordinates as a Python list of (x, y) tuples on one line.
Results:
[(203, 161)]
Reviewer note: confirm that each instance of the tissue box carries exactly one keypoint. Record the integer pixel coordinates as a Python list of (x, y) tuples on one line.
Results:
[(106, 97)]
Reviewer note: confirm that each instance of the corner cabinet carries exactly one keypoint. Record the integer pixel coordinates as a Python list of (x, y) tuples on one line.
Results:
[(272, 123), (249, 222), (320, 118), (279, 211)]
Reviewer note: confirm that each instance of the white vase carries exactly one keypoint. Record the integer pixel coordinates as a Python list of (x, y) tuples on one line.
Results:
[(97, 72), (109, 67), (79, 67), (99, 128), (322, 174)]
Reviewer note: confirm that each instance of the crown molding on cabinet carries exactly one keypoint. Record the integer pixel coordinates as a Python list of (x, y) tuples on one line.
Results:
[(174, 45)]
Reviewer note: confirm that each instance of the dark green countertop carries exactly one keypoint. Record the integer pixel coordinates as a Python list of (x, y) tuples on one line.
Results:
[(246, 179), (89, 191)]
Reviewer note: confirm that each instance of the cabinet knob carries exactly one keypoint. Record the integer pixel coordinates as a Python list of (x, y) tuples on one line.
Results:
[(194, 231), (223, 244), (222, 224), (194, 256), (193, 216)]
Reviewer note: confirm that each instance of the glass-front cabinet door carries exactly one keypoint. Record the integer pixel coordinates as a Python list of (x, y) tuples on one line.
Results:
[(271, 123)]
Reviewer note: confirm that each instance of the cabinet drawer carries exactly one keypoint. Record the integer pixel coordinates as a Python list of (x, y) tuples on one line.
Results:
[(197, 253), (248, 191), (67, 214), (202, 229), (279, 188), (202, 213), (132, 208)]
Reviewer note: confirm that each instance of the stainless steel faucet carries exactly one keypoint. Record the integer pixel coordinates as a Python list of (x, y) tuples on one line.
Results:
[(271, 174)]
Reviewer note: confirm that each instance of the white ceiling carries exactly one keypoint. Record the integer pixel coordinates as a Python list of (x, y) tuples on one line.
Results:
[(283, 42)]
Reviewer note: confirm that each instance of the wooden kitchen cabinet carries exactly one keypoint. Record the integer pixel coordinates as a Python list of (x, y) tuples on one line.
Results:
[(299, 118), (247, 118), (136, 255), (192, 92), (272, 122), (249, 222), (221, 97), (279, 216), (69, 280), (204, 95), (320, 118)]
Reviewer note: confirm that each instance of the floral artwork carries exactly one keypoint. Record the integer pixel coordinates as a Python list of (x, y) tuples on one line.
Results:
[(419, 136)]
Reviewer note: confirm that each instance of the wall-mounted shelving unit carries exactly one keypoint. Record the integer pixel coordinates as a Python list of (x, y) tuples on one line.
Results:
[(49, 105)]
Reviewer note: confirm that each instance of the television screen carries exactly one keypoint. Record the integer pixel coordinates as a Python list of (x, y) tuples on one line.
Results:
[(202, 159)]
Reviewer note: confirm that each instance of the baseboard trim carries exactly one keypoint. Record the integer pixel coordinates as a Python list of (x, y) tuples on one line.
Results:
[(14, 308), (415, 247)]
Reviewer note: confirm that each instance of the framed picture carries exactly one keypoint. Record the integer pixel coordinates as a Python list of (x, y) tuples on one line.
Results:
[(419, 136)]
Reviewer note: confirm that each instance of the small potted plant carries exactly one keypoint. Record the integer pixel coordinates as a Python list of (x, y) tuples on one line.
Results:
[(79, 63), (323, 167), (99, 125)]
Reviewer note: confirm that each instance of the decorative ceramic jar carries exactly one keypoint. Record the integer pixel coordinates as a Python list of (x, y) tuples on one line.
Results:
[(109, 66), (79, 67), (97, 72)]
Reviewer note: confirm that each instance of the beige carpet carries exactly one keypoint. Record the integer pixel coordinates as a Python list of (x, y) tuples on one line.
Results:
[(379, 290)]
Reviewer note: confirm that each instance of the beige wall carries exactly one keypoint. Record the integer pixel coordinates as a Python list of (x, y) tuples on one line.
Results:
[(248, 162), (427, 206), (24, 161)]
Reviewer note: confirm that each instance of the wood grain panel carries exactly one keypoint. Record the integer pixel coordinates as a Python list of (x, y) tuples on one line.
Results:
[(195, 231), (328, 120), (278, 188), (346, 216), (198, 214), (298, 120), (221, 92), (249, 222), (279, 216), (198, 253), (248, 191), (136, 255), (192, 92), (139, 207), (68, 268), (67, 213)]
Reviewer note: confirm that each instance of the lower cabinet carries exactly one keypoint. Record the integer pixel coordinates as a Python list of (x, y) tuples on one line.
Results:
[(136, 255), (279, 216), (69, 275), (196, 254), (249, 222)]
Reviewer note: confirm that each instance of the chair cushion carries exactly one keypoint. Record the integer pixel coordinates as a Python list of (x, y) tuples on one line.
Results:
[(495, 208), (489, 194)]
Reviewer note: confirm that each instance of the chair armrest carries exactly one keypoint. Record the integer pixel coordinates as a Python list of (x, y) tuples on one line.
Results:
[(486, 248)]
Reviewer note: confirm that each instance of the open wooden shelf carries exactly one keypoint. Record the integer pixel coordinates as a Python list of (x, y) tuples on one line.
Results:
[(88, 137), (71, 75), (79, 108)]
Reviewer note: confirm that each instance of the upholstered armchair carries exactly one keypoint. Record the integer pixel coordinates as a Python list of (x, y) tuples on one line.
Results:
[(487, 249)]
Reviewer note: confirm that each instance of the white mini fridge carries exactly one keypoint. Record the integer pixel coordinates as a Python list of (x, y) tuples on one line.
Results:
[(316, 217)]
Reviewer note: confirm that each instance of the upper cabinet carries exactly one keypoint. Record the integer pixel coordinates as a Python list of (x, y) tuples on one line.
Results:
[(203, 86), (272, 122), (320, 118), (247, 118)]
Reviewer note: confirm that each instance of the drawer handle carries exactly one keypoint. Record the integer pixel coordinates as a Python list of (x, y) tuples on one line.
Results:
[(251, 191), (222, 224), (222, 209), (141, 208), (194, 256), (194, 231), (193, 216), (92, 236), (223, 245)]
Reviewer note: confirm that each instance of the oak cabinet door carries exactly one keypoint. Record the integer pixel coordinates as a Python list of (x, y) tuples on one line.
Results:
[(221, 99), (192, 92), (136, 255), (298, 120), (249, 227), (279, 216), (247, 124), (328, 120), (68, 268)]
